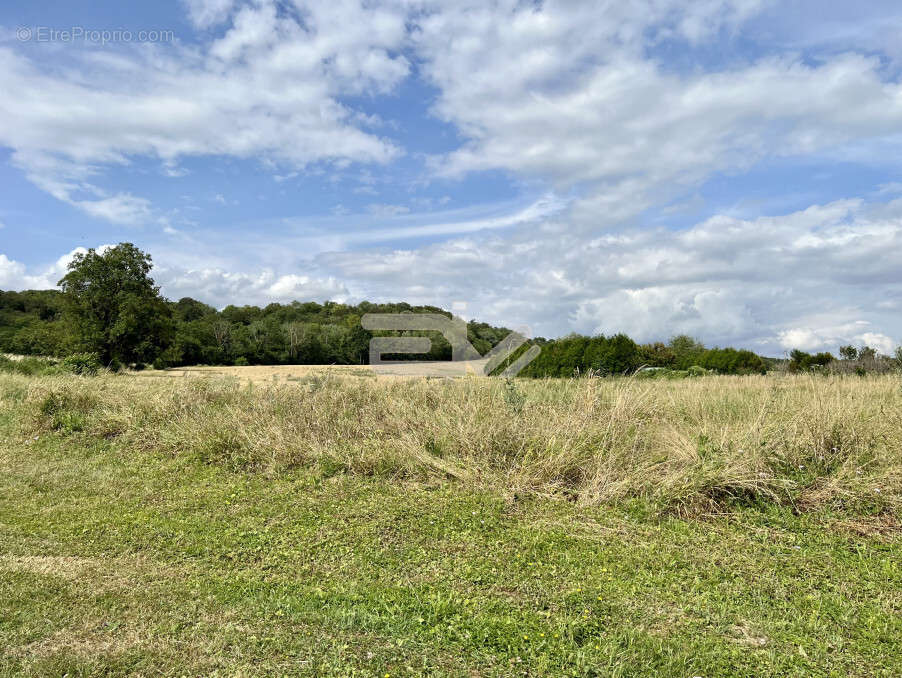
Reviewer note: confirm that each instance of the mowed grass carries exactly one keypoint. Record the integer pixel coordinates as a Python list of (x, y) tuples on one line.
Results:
[(353, 527)]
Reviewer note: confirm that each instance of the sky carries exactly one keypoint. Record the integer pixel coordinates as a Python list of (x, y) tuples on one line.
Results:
[(727, 169)]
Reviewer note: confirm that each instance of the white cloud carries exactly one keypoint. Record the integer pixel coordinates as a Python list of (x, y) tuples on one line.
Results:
[(174, 171), (122, 208), (267, 88), (383, 210), (220, 288), (207, 13), (569, 94), (881, 342), (533, 213), (212, 285), (829, 337), (14, 275), (564, 92), (805, 277)]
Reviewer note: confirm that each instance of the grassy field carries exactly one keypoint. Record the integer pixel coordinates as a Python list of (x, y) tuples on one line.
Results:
[(345, 525)]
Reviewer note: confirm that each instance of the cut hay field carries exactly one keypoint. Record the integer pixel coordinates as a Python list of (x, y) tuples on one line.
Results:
[(260, 374), (331, 523)]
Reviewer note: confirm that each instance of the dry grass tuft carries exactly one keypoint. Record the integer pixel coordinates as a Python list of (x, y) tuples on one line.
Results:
[(693, 445)]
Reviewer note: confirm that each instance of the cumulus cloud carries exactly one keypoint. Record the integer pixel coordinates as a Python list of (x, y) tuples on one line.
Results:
[(830, 336), (571, 96), (212, 285), (269, 87), (220, 288), (563, 91), (810, 279), (14, 275)]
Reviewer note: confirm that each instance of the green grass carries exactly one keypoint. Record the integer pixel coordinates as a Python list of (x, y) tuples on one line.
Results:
[(115, 561)]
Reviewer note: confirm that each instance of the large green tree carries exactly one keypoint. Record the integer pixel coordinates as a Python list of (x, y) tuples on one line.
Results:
[(114, 306)]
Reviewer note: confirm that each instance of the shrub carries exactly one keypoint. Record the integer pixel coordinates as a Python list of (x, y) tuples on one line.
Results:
[(241, 361), (848, 352), (800, 361), (82, 363)]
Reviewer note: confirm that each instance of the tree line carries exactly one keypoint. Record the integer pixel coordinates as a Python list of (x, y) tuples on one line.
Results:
[(618, 354), (859, 360), (108, 305)]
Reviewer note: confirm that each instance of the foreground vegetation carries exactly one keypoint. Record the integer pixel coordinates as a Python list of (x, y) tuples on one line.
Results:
[(689, 445), (354, 526)]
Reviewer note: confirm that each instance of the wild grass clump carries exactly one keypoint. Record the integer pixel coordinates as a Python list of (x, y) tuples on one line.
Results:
[(690, 445), (29, 366), (83, 364)]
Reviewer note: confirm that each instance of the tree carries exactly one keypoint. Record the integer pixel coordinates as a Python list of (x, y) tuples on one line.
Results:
[(867, 353), (848, 352), (187, 310), (657, 354), (800, 361), (686, 350), (114, 306)]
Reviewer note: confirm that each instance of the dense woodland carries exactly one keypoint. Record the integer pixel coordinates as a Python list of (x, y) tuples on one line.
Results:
[(36, 323), (108, 305)]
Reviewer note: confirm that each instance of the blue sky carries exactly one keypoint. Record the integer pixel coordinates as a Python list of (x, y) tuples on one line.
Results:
[(727, 169)]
